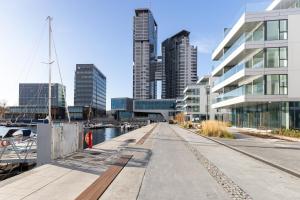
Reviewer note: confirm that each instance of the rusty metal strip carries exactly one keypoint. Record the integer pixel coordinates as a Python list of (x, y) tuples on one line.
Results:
[(145, 137), (96, 189)]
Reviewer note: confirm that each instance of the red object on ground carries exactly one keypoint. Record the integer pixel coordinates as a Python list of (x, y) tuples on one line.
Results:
[(89, 139)]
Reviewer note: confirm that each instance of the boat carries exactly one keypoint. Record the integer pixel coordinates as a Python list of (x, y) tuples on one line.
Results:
[(16, 132)]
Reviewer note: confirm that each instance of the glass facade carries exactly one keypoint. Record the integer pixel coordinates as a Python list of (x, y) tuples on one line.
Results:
[(277, 30), (90, 87), (276, 84), (36, 94), (155, 104), (264, 85), (121, 104), (276, 57), (268, 115)]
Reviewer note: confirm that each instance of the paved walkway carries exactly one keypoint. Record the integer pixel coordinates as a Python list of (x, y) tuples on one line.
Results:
[(172, 163), (257, 179), (281, 152), (67, 178), (175, 173)]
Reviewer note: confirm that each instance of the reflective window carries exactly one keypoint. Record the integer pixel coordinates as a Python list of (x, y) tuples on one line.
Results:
[(277, 30), (276, 84), (272, 30), (276, 57)]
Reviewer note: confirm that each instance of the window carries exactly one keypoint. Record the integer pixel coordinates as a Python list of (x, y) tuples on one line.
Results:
[(277, 30), (283, 84), (283, 26), (258, 60), (276, 84), (272, 30), (272, 84), (272, 58), (283, 57), (276, 57)]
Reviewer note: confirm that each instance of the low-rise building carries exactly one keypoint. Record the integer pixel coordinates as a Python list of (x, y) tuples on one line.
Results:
[(122, 108), (154, 109), (33, 102)]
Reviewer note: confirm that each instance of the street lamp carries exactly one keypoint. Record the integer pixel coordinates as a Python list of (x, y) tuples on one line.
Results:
[(207, 94)]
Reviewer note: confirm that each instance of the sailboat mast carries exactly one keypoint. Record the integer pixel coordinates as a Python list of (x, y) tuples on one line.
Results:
[(50, 62)]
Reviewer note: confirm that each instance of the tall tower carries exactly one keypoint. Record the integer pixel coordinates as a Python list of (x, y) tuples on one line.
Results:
[(179, 65), (144, 52)]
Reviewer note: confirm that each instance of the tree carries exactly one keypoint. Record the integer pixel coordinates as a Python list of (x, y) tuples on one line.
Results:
[(3, 108), (180, 118)]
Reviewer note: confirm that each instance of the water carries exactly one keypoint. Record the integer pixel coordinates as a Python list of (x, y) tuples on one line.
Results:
[(104, 134), (99, 135)]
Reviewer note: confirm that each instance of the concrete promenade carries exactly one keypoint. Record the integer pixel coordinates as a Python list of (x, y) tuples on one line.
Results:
[(170, 163)]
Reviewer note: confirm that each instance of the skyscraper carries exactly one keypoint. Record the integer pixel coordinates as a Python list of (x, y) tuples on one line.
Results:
[(179, 65), (144, 52), (90, 88)]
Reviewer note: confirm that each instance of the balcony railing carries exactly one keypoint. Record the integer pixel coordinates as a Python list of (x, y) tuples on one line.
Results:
[(239, 67), (232, 94), (230, 73)]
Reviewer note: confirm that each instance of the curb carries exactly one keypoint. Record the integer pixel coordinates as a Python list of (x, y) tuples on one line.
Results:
[(289, 171)]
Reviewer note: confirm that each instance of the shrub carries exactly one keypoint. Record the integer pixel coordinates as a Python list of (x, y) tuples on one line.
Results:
[(287, 132), (214, 128)]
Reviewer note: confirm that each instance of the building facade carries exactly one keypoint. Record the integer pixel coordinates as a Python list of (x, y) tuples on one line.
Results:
[(144, 52), (257, 66), (179, 65), (90, 89), (155, 76), (122, 108), (155, 109), (33, 102)]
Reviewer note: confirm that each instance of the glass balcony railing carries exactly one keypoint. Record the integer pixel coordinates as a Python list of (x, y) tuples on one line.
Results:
[(238, 68), (230, 73), (232, 94), (257, 35)]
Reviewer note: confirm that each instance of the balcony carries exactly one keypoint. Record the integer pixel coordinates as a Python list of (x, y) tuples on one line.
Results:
[(258, 63), (257, 35), (232, 94)]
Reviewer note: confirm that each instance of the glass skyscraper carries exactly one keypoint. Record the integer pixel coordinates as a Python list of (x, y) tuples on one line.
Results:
[(90, 88), (144, 52)]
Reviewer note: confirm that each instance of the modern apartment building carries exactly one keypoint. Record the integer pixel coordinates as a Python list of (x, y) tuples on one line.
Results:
[(257, 67), (144, 52), (179, 65), (90, 89)]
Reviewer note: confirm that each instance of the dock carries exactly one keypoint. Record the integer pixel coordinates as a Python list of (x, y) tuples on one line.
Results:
[(158, 161)]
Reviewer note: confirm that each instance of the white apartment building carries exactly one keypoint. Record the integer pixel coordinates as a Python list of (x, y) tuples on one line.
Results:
[(196, 104), (257, 67)]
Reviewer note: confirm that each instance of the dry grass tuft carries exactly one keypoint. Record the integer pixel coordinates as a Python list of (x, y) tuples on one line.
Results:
[(212, 128)]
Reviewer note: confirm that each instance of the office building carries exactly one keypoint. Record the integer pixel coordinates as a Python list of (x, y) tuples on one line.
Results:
[(90, 90), (33, 101), (179, 65), (122, 108), (144, 52), (154, 109), (257, 67)]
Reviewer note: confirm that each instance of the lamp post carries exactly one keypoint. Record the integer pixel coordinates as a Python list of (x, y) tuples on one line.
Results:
[(207, 95)]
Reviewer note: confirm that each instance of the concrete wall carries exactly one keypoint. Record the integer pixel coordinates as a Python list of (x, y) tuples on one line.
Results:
[(58, 141), (293, 56)]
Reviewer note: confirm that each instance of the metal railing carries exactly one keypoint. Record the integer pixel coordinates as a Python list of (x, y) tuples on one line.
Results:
[(18, 150)]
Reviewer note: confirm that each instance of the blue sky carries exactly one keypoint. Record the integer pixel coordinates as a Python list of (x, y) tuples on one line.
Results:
[(99, 32)]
